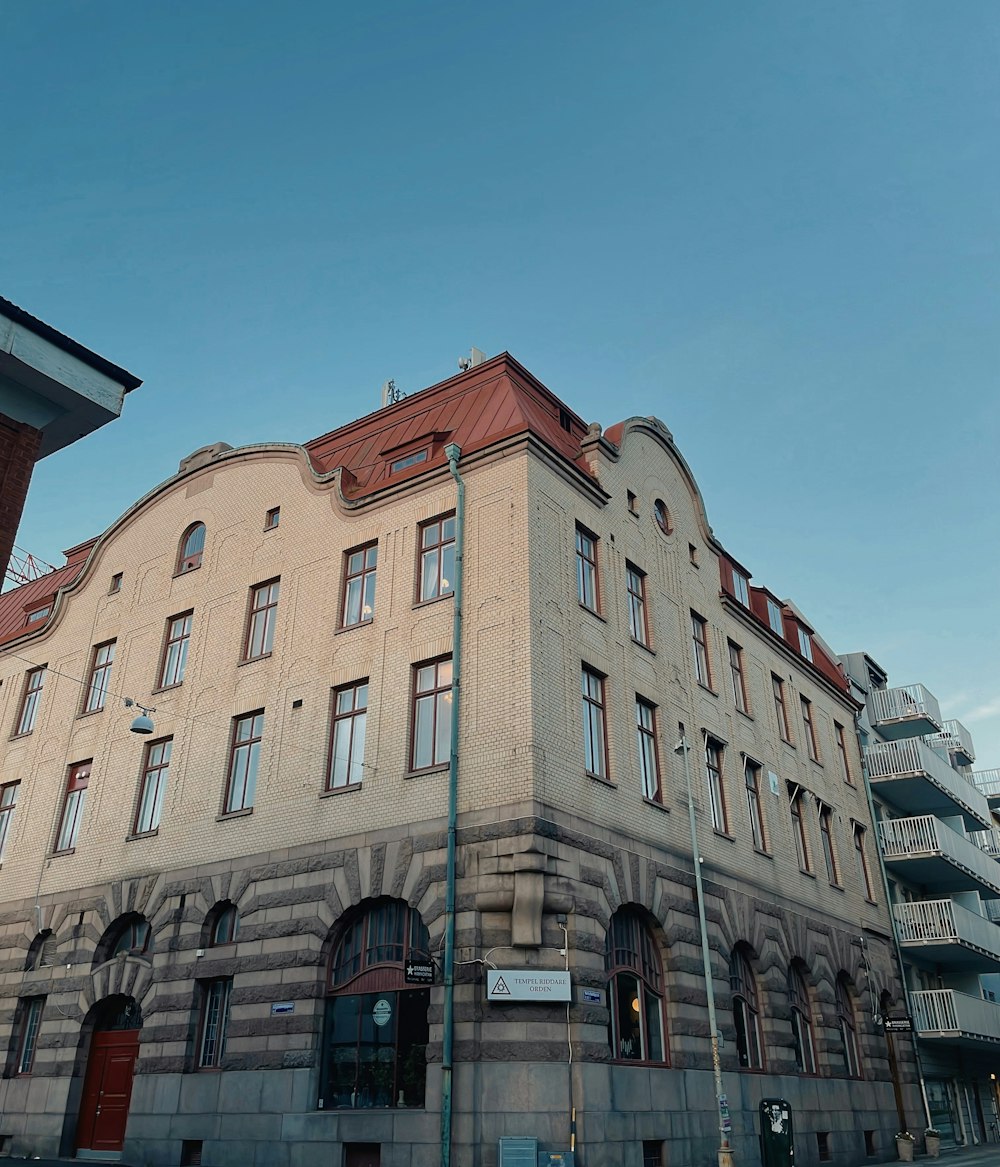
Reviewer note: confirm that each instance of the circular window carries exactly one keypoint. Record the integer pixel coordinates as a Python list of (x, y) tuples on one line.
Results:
[(662, 516)]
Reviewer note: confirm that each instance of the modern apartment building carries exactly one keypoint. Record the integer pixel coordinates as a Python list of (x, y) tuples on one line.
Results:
[(940, 849), (414, 705)]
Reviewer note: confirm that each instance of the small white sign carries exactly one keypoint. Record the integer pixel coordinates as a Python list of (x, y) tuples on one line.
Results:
[(519, 984), (381, 1011)]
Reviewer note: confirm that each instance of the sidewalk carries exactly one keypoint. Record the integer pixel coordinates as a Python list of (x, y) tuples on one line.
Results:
[(986, 1153)]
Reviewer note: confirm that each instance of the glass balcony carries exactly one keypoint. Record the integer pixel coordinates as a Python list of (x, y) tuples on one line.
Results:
[(913, 777), (927, 852), (907, 711), (945, 933), (955, 739), (958, 1018)]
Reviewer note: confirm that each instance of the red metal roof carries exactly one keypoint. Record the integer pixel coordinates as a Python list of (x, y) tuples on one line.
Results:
[(18, 602), (493, 401)]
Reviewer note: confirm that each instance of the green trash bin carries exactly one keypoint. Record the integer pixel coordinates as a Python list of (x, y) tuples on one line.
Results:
[(777, 1144)]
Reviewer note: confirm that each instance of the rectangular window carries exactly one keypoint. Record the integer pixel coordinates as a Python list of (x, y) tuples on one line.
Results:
[(31, 1022), (810, 728), (826, 835), (780, 709), (845, 765), (432, 697), (716, 790), (72, 813), (437, 558), (116, 584), (360, 568), (8, 801), (741, 587), (586, 569), (774, 617), (798, 826), (751, 773), (649, 756), (635, 582), (862, 861), (175, 650), (347, 738), (100, 677), (260, 624), (155, 772), (595, 736), (34, 682), (214, 1022), (805, 644), (244, 760), (699, 636), (737, 678), (272, 518)]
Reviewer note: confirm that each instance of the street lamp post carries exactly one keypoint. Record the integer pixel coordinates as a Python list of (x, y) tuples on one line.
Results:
[(725, 1151)]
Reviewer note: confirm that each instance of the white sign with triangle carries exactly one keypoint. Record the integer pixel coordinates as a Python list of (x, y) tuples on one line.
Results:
[(524, 984)]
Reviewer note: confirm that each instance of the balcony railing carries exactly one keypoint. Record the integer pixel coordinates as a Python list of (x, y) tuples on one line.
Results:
[(914, 777), (907, 711), (937, 856), (947, 932), (988, 841), (954, 738), (947, 1013), (987, 782)]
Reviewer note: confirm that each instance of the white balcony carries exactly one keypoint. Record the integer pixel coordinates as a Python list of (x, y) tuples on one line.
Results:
[(955, 739), (925, 851), (987, 782), (945, 933), (907, 711), (959, 1018), (913, 777)]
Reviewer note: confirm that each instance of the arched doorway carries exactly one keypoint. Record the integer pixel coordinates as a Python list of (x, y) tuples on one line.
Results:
[(107, 1083)]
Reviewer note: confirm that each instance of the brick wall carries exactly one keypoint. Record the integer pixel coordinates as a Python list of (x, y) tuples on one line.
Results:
[(18, 449)]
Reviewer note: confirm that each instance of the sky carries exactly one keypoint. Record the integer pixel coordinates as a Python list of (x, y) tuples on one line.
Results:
[(774, 225)]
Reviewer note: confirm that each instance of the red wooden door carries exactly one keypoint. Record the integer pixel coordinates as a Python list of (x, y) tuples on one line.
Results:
[(107, 1089)]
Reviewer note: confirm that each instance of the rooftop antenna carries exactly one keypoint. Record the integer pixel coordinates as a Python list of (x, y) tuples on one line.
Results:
[(390, 394), (476, 357)]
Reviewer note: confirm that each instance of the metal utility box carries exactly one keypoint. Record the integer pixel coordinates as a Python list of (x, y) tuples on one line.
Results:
[(518, 1153), (777, 1143)]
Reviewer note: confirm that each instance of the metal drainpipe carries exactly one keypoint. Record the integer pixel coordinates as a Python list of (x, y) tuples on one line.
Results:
[(453, 452), (725, 1152), (907, 999)]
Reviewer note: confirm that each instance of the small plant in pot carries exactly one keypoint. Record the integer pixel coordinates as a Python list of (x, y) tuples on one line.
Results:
[(904, 1146), (932, 1142)]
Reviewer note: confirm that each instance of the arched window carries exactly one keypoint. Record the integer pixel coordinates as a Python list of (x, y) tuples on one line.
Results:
[(375, 1044), (223, 925), (802, 1030), (847, 1023), (192, 548), (746, 1009), (134, 939), (662, 517), (41, 952), (635, 990)]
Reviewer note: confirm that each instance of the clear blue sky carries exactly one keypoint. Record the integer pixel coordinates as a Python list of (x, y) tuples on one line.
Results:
[(775, 225)]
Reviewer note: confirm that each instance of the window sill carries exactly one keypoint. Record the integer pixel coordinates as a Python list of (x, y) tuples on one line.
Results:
[(804, 871), (167, 688), (787, 742), (18, 737), (657, 805), (603, 781), (644, 647), (869, 900), (707, 688), (59, 854), (251, 660), (356, 624), (815, 761), (592, 611), (744, 713), (432, 600), (143, 835), (441, 768), (723, 835), (234, 814), (89, 713), (766, 854), (351, 786), (837, 886)]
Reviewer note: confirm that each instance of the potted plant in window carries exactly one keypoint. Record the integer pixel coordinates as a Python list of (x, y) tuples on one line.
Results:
[(904, 1146), (932, 1142)]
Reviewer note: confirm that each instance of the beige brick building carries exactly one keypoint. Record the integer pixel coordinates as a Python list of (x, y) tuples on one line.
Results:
[(222, 925)]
